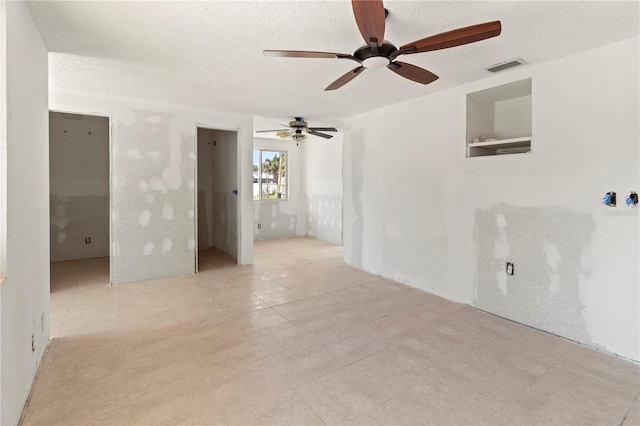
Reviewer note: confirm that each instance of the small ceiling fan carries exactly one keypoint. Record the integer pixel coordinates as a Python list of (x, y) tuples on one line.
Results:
[(377, 53), (298, 130)]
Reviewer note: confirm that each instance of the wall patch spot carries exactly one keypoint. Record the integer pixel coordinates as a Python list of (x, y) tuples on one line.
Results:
[(191, 184), (191, 214), (167, 211), (553, 259), (157, 184), (60, 222), (134, 153), (143, 186), (62, 237), (166, 244), (144, 218), (191, 244), (273, 225), (61, 210), (150, 198), (154, 155), (501, 246), (501, 278), (148, 248), (172, 177)]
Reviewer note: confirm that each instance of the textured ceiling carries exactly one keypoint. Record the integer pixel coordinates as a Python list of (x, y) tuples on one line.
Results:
[(209, 54)]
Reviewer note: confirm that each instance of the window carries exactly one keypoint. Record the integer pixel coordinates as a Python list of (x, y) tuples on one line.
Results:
[(269, 175)]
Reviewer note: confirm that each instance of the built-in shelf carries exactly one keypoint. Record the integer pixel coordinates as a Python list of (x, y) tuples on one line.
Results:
[(499, 147), (502, 113)]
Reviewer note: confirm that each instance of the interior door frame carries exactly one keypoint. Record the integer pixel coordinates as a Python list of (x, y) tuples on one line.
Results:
[(195, 189), (110, 127)]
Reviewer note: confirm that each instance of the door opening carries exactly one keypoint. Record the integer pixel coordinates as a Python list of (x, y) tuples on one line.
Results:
[(216, 198), (79, 205)]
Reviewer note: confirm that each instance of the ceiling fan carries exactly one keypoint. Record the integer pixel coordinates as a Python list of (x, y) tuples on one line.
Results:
[(377, 53), (298, 130)]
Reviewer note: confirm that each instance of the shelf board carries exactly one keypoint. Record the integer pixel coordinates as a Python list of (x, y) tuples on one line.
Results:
[(503, 144)]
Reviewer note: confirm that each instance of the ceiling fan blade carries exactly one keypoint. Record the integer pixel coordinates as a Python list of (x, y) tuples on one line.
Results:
[(302, 54), (455, 38), (345, 78), (322, 135), (370, 18), (264, 131), (412, 72), (324, 129)]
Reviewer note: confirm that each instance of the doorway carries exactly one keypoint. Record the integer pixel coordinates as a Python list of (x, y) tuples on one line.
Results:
[(216, 198), (79, 200)]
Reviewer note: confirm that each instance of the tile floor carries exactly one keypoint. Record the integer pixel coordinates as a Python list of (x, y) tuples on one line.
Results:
[(300, 338)]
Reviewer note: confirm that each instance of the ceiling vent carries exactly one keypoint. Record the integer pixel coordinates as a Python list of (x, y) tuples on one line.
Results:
[(71, 116), (506, 65)]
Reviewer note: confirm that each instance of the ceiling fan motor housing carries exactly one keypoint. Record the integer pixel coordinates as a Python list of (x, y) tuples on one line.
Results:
[(298, 123), (376, 56)]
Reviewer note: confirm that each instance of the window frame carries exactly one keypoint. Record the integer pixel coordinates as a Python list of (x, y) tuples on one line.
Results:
[(286, 176)]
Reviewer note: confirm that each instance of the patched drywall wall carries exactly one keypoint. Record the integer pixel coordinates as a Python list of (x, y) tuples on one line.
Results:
[(546, 244), (274, 219), (24, 294), (153, 183), (78, 186), (322, 175), (417, 210), (324, 217), (272, 223), (217, 180), (153, 171)]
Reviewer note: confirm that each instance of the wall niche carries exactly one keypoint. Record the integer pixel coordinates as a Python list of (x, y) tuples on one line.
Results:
[(499, 120)]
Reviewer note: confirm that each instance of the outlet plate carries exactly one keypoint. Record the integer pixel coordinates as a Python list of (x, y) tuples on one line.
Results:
[(87, 240), (510, 268)]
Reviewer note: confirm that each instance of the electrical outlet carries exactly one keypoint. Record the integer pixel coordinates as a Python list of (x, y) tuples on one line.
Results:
[(33, 343), (509, 268), (259, 225), (87, 240)]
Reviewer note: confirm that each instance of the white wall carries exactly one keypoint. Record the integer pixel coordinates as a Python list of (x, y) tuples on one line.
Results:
[(418, 211), (217, 179), (24, 295), (205, 189), (322, 171), (281, 219), (153, 182), (79, 186)]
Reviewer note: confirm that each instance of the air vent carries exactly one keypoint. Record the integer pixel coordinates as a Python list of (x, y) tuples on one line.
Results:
[(71, 116), (506, 65)]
